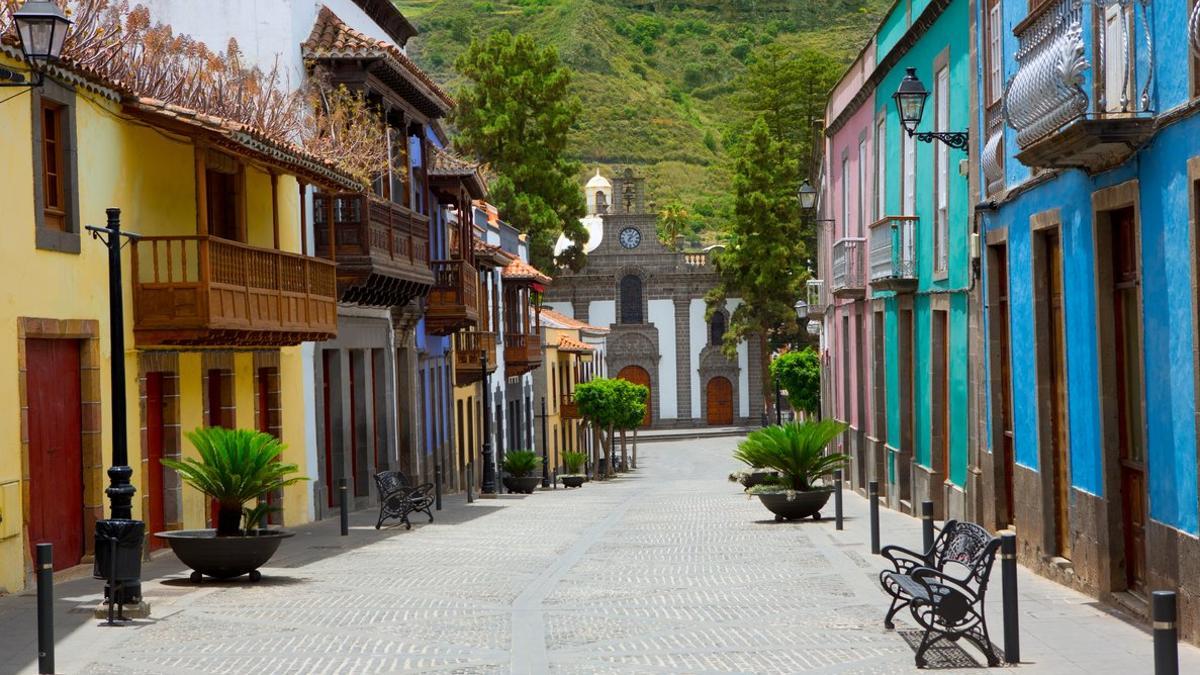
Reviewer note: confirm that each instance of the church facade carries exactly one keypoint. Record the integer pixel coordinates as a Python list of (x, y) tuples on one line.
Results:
[(651, 297)]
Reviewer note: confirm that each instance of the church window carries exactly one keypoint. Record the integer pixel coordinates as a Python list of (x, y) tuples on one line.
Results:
[(631, 299), (716, 329)]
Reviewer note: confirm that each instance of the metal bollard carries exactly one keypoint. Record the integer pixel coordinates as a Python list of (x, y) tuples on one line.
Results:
[(45, 607), (437, 488), (837, 499), (1166, 635), (344, 505), (927, 526), (873, 495), (470, 482), (1008, 576)]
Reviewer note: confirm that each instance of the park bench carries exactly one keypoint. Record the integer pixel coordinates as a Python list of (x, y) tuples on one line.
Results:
[(398, 498), (944, 587)]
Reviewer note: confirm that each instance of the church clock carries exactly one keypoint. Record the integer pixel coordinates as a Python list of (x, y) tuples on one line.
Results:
[(630, 237)]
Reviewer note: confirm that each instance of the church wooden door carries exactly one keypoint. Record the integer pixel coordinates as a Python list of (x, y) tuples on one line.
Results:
[(638, 375), (720, 401)]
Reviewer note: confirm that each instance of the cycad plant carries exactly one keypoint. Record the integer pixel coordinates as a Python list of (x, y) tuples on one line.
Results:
[(573, 462), (236, 466), (521, 463), (795, 450)]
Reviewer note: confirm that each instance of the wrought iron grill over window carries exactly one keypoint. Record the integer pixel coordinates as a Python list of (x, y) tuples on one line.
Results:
[(631, 299), (847, 264), (893, 248)]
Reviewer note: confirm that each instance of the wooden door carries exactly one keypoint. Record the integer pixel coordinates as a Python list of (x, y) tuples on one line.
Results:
[(55, 449), (1130, 424), (941, 369), (720, 402), (1008, 457), (1060, 458), (638, 375), (155, 434)]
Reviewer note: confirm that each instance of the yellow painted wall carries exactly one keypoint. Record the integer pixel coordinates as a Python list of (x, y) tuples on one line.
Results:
[(149, 174)]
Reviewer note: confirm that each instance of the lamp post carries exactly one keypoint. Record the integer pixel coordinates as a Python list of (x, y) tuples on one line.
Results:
[(487, 486), (910, 100), (42, 29)]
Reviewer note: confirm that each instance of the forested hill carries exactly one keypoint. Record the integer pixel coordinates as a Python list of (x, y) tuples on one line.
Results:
[(657, 79)]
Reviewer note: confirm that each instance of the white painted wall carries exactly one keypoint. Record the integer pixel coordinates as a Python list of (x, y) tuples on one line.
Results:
[(602, 313), (697, 338), (662, 315), (743, 360), (564, 308)]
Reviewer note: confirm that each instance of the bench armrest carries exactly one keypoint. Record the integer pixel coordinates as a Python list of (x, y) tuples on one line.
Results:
[(903, 559)]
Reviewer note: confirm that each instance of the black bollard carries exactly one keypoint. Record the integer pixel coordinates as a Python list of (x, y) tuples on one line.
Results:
[(1166, 635), (1008, 577), (45, 607), (873, 495), (344, 505), (837, 499), (437, 488), (927, 526), (470, 481)]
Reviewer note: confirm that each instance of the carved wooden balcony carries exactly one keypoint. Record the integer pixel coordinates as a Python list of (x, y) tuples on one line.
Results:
[(522, 353), (568, 409), (381, 248), (205, 291), (848, 281), (453, 302), (469, 347), (893, 254), (1063, 122)]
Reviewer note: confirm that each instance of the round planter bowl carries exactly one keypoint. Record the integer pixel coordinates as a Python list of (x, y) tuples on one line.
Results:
[(224, 557), (803, 504), (573, 481), (522, 484), (757, 478)]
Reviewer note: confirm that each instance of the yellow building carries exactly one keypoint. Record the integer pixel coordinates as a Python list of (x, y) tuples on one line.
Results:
[(216, 301), (568, 361)]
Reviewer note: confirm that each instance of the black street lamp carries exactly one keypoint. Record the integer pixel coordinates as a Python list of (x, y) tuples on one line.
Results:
[(807, 195), (42, 29), (801, 310), (910, 100)]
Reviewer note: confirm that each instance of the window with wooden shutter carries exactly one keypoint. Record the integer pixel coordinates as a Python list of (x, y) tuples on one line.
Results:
[(994, 53), (941, 103), (54, 167)]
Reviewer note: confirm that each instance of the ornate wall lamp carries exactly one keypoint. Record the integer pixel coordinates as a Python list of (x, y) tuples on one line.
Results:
[(42, 28), (910, 103)]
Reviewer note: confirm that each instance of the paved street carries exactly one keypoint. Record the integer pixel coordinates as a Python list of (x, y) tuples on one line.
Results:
[(669, 570)]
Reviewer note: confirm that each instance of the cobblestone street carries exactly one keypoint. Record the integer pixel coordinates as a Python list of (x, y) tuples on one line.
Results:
[(668, 570)]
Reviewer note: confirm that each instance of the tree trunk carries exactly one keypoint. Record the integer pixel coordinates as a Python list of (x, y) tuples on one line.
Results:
[(612, 450), (624, 452), (635, 430), (229, 520), (768, 399)]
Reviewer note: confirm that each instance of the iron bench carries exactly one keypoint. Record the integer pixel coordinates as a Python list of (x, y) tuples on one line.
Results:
[(397, 498), (948, 606)]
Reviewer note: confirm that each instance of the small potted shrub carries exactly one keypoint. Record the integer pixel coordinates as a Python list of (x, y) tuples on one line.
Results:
[(573, 463), (520, 467), (236, 467), (797, 451)]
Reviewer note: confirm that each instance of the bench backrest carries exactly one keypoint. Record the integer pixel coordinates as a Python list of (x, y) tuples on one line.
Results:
[(389, 482), (967, 544)]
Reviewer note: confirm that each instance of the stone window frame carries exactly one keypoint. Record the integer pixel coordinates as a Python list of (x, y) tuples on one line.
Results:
[(941, 61), (621, 274), (725, 317), (87, 332), (1193, 178), (49, 239), (166, 363)]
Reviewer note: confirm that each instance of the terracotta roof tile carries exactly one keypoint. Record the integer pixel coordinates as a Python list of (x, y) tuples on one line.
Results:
[(519, 270), (560, 319), (570, 344)]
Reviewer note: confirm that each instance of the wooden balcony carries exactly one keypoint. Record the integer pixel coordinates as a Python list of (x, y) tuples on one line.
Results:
[(568, 409), (469, 347), (522, 353), (205, 291), (381, 248), (453, 302)]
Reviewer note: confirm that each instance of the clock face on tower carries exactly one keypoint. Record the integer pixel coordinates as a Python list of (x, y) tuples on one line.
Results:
[(630, 238)]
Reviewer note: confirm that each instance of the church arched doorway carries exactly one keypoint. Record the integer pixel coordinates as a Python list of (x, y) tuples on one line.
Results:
[(638, 375), (719, 397)]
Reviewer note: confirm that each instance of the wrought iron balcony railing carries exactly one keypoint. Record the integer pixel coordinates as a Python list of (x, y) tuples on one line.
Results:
[(893, 253), (848, 280), (816, 298)]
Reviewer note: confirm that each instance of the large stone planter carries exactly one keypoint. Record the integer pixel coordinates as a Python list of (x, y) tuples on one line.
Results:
[(802, 505), (573, 480), (522, 484), (224, 557)]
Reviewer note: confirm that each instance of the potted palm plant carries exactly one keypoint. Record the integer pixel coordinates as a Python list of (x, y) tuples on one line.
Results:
[(236, 467), (520, 466), (797, 451), (573, 462)]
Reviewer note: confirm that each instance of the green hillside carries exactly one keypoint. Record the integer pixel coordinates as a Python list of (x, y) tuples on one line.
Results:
[(656, 78)]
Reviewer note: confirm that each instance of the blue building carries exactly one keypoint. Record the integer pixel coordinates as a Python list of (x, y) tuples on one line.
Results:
[(1088, 180)]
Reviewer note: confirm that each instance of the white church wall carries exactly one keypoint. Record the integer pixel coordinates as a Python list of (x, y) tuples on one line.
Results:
[(602, 313), (697, 337), (662, 315), (564, 308), (743, 359)]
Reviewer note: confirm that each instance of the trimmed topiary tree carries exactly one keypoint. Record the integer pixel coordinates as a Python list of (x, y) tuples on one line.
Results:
[(800, 374)]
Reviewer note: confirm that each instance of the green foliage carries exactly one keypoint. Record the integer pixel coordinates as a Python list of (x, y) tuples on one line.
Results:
[(520, 463), (795, 450), (235, 466), (573, 462), (673, 221), (800, 373), (253, 516), (515, 114), (612, 402), (710, 141)]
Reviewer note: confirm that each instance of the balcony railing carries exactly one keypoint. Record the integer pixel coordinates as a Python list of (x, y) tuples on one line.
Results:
[(469, 347), (816, 298), (207, 291), (522, 353), (893, 253), (848, 281), (454, 299), (382, 248), (568, 409), (1058, 123)]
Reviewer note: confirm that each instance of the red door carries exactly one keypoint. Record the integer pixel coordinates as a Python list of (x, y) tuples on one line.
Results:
[(638, 375), (154, 454), (55, 449)]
